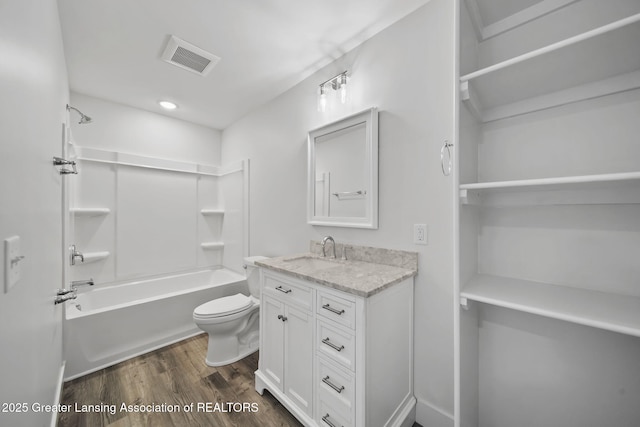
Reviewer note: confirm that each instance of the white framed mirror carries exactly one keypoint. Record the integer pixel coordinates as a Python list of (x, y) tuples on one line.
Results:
[(342, 188)]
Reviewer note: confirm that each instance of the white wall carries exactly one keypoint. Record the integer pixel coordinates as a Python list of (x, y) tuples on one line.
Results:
[(34, 92), (407, 71)]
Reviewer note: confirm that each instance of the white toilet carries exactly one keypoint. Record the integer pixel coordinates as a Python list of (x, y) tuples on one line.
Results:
[(232, 322)]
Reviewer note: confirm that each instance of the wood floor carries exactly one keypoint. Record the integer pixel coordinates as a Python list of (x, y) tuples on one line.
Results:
[(174, 375)]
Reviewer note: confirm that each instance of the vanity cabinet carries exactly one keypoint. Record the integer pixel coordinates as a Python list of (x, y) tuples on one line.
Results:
[(286, 356), (334, 358)]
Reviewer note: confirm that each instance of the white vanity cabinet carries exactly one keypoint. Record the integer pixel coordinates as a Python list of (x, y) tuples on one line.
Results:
[(286, 340), (337, 358)]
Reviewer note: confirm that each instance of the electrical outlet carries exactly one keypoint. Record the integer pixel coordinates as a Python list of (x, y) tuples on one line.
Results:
[(420, 234)]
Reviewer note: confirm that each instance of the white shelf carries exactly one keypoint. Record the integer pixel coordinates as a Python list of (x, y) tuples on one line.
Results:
[(628, 181), (212, 212), (90, 211), (212, 245), (90, 257), (567, 71), (618, 313)]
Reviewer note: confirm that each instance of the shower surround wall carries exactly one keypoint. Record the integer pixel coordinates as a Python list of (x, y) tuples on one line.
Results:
[(153, 218)]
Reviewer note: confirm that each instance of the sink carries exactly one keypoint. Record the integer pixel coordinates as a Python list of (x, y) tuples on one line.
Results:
[(311, 262)]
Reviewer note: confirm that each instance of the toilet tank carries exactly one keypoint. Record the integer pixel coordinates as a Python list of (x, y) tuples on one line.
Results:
[(252, 274)]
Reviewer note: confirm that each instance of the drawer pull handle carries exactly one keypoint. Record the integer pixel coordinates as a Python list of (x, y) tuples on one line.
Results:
[(281, 317), (281, 289), (332, 345), (326, 420), (332, 385), (333, 310)]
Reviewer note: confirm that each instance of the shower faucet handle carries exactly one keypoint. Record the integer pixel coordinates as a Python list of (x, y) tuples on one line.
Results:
[(75, 254)]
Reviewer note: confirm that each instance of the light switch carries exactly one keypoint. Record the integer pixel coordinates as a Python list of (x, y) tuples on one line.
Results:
[(12, 260)]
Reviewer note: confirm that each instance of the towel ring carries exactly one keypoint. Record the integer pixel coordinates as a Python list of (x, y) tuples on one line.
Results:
[(446, 170)]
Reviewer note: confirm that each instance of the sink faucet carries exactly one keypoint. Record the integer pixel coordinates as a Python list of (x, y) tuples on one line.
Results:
[(324, 242)]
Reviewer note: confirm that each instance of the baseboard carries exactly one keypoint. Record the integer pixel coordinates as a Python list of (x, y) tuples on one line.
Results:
[(429, 415), (56, 399)]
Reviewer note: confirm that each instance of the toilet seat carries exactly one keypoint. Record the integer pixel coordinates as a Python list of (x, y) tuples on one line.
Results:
[(224, 306)]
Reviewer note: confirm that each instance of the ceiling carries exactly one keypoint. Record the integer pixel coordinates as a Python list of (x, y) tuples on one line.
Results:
[(113, 48)]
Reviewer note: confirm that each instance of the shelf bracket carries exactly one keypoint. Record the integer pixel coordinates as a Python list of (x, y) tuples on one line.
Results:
[(464, 303), (469, 97), (469, 197)]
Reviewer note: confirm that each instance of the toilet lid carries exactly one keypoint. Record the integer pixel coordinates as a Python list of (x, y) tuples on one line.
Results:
[(223, 306)]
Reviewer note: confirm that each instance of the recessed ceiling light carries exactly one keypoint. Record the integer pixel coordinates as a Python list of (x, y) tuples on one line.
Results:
[(167, 105)]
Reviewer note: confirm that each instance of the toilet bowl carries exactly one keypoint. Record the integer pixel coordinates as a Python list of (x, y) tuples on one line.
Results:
[(232, 322)]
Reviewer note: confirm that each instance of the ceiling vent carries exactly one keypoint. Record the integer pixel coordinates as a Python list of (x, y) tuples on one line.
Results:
[(189, 57)]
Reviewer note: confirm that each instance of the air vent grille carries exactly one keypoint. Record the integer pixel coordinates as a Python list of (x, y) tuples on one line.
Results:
[(189, 57)]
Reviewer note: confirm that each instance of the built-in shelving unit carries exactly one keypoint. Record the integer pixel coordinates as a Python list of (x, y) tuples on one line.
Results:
[(618, 313), (551, 92)]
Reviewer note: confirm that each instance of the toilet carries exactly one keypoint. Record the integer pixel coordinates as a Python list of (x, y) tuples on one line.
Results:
[(232, 322)]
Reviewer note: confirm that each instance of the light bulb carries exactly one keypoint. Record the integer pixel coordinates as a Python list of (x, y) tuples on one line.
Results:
[(343, 88), (322, 100)]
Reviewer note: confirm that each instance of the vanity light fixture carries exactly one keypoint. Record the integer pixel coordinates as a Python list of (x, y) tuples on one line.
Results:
[(168, 105), (336, 83)]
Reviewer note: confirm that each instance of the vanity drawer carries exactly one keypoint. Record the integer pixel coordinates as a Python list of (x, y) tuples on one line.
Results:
[(331, 415), (338, 309), (335, 383), (289, 292), (337, 344)]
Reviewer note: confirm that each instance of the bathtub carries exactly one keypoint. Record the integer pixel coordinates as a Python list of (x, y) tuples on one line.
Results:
[(106, 325)]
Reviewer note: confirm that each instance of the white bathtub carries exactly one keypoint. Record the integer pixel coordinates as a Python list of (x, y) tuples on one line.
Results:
[(106, 325)]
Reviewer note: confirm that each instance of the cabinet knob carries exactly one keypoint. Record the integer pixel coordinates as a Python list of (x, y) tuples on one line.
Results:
[(281, 317)]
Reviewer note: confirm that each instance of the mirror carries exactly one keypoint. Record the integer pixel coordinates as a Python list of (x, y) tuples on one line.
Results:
[(343, 172)]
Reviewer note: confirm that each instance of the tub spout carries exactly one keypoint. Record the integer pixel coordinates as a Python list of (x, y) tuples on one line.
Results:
[(62, 298)]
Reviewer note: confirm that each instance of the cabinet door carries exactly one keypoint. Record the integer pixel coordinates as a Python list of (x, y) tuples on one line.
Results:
[(272, 350), (299, 358)]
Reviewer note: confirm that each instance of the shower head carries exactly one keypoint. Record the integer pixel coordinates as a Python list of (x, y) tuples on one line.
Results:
[(83, 118)]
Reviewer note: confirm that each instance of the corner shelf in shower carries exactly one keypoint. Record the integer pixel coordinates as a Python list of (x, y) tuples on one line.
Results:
[(90, 211), (557, 74), (90, 257), (612, 312), (212, 245), (212, 212)]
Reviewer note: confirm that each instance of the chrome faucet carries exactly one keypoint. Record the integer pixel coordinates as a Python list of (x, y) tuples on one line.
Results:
[(75, 254), (63, 296), (76, 283), (324, 242), (66, 294)]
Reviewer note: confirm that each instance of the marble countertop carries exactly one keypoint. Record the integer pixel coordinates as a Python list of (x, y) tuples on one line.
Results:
[(353, 276)]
